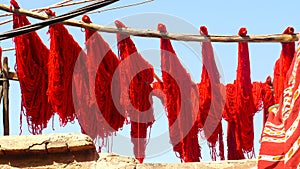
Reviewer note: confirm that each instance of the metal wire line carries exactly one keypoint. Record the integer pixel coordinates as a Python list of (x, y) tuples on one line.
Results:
[(53, 20)]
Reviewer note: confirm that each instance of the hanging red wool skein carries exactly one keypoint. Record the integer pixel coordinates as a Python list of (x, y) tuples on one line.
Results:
[(211, 100), (180, 103), (64, 51), (263, 96), (240, 107), (138, 74), (31, 67), (283, 64), (230, 114), (245, 102), (104, 62)]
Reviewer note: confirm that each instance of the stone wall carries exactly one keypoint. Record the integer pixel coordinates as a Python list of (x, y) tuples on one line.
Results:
[(78, 151)]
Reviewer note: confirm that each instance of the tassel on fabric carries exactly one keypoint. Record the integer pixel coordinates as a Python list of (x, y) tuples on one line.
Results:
[(282, 65), (180, 98), (64, 51), (102, 63), (138, 74), (211, 100), (31, 67)]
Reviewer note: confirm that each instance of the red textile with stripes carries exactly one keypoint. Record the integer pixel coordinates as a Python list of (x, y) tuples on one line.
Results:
[(138, 74), (211, 100), (64, 51), (178, 88), (31, 67), (282, 65), (280, 144), (104, 62)]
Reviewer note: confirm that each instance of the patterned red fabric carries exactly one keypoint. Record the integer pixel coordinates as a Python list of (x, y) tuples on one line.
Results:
[(280, 144), (282, 65), (64, 51), (31, 67), (180, 99), (139, 105), (211, 100), (104, 62)]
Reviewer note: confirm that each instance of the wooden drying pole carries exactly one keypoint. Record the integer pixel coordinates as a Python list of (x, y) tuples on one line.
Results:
[(157, 34), (5, 88)]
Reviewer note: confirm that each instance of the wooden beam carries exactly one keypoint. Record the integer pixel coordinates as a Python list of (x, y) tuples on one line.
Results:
[(157, 34), (11, 76), (5, 97)]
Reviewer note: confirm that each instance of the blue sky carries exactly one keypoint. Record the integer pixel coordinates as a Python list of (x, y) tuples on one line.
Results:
[(220, 17)]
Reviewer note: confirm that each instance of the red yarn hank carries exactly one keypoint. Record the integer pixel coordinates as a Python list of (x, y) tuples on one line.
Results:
[(64, 51), (109, 120), (177, 83), (245, 102), (31, 67), (263, 96), (138, 91), (283, 64), (211, 99), (230, 114)]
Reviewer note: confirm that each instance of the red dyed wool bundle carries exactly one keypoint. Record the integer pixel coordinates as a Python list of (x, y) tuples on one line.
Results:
[(211, 100), (178, 89), (230, 114), (263, 96), (104, 62), (283, 64), (31, 67), (64, 51), (245, 103), (240, 106), (136, 75)]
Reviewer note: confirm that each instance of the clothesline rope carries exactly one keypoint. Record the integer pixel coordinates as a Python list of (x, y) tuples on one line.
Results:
[(98, 11), (120, 7), (61, 4), (157, 34), (64, 3)]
